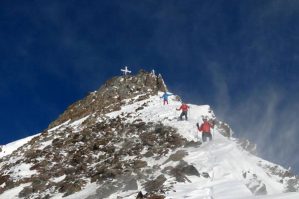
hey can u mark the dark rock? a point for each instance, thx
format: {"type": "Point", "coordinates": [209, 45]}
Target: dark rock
{"type": "Point", "coordinates": [69, 170]}
{"type": "Point", "coordinates": [248, 146]}
{"type": "Point", "coordinates": [262, 190]}
{"type": "Point", "coordinates": [71, 187]}
{"type": "Point", "coordinates": [155, 185]}
{"type": "Point", "coordinates": [39, 166]}
{"type": "Point", "coordinates": [106, 190]}
{"type": "Point", "coordinates": [111, 173]}
{"type": "Point", "coordinates": [292, 185]}
{"type": "Point", "coordinates": [140, 125]}
{"type": "Point", "coordinates": [244, 175]}
{"type": "Point", "coordinates": [140, 195]}
{"type": "Point", "coordinates": [149, 154]}
{"type": "Point", "coordinates": [39, 185]}
{"type": "Point", "coordinates": [108, 98]}
{"type": "Point", "coordinates": [148, 138]}
{"type": "Point", "coordinates": [179, 155]}
{"type": "Point", "coordinates": [139, 108]}
{"type": "Point", "coordinates": [105, 144]}
{"type": "Point", "coordinates": [179, 176]}
{"type": "Point", "coordinates": [224, 128]}
{"type": "Point", "coordinates": [205, 175]}
{"type": "Point", "coordinates": [26, 192]}
{"type": "Point", "coordinates": [190, 170]}
{"type": "Point", "coordinates": [10, 184]}
{"type": "Point", "coordinates": [4, 178]}
{"type": "Point", "coordinates": [130, 184]}
{"type": "Point", "coordinates": [139, 164]}
{"type": "Point", "coordinates": [193, 144]}
{"type": "Point", "coordinates": [287, 174]}
{"type": "Point", "coordinates": [58, 143]}
{"type": "Point", "coordinates": [154, 196]}
{"type": "Point", "coordinates": [77, 159]}
{"type": "Point", "coordinates": [33, 154]}
{"type": "Point", "coordinates": [180, 171]}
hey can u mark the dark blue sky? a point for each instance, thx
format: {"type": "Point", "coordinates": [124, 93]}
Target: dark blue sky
{"type": "Point", "coordinates": [241, 57]}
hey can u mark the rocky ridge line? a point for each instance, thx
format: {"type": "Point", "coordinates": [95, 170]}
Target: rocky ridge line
{"type": "Point", "coordinates": [112, 95]}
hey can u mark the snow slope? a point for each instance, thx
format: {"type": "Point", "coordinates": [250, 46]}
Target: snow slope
{"type": "Point", "coordinates": [222, 159]}
{"type": "Point", "coordinates": [11, 147]}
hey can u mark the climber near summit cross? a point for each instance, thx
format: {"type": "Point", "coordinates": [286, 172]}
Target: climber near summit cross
{"type": "Point", "coordinates": [205, 128]}
{"type": "Point", "coordinates": [165, 97]}
{"type": "Point", "coordinates": [184, 107]}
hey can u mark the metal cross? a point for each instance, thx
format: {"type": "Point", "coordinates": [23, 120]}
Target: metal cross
{"type": "Point", "coordinates": [125, 71]}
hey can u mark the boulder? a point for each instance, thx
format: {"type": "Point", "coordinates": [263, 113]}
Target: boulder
{"type": "Point", "coordinates": [155, 185]}
{"type": "Point", "coordinates": [139, 164]}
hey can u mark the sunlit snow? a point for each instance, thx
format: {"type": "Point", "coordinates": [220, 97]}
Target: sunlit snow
{"type": "Point", "coordinates": [221, 158]}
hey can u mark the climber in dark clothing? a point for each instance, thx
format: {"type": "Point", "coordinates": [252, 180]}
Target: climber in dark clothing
{"type": "Point", "coordinates": [184, 108]}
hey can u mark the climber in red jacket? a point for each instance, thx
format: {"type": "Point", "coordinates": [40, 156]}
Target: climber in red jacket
{"type": "Point", "coordinates": [205, 128]}
{"type": "Point", "coordinates": [184, 108]}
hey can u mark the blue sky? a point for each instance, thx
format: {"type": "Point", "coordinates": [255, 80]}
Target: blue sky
{"type": "Point", "coordinates": [241, 57]}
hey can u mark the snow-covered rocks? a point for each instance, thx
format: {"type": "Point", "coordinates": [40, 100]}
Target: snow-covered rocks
{"type": "Point", "coordinates": [121, 141]}
{"type": "Point", "coordinates": [112, 95]}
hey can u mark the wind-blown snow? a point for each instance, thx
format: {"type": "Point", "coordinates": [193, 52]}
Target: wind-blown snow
{"type": "Point", "coordinates": [222, 159]}
{"type": "Point", "coordinates": [155, 111]}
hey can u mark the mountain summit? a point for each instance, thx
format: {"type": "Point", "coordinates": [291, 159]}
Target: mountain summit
{"type": "Point", "coordinates": [111, 95]}
{"type": "Point", "coordinates": [122, 142]}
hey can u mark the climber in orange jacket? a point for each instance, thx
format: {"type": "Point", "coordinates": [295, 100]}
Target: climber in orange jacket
{"type": "Point", "coordinates": [184, 108]}
{"type": "Point", "coordinates": [205, 128]}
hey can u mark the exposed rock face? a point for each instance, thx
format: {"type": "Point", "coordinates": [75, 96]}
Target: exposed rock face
{"type": "Point", "coordinates": [110, 97]}
{"type": "Point", "coordinates": [97, 153]}
{"type": "Point", "coordinates": [155, 185]}
{"type": "Point", "coordinates": [286, 176]}
{"type": "Point", "coordinates": [181, 171]}
{"type": "Point", "coordinates": [224, 128]}
{"type": "Point", "coordinates": [149, 196]}
{"type": "Point", "coordinates": [179, 155]}
{"type": "Point", "coordinates": [248, 146]}
{"type": "Point", "coordinates": [119, 153]}
{"type": "Point", "coordinates": [292, 184]}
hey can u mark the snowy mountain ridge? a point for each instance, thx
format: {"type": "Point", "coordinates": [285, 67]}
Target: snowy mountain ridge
{"type": "Point", "coordinates": [138, 146]}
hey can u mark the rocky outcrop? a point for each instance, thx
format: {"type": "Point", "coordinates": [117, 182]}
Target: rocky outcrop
{"type": "Point", "coordinates": [155, 185]}
{"type": "Point", "coordinates": [109, 152]}
{"type": "Point", "coordinates": [247, 146]}
{"type": "Point", "coordinates": [118, 152]}
{"type": "Point", "coordinates": [224, 128]}
{"type": "Point", "coordinates": [292, 184]}
{"type": "Point", "coordinates": [112, 95]}
{"type": "Point", "coordinates": [149, 196]}
{"type": "Point", "coordinates": [286, 177]}
{"type": "Point", "coordinates": [181, 171]}
{"type": "Point", "coordinates": [254, 184]}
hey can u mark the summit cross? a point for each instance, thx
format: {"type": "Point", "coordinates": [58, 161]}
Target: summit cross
{"type": "Point", "coordinates": [125, 71]}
